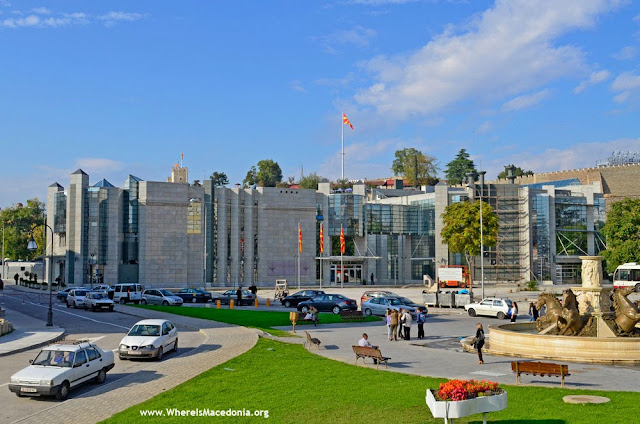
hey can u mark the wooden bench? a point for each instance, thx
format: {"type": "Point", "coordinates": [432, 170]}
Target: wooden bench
{"type": "Point", "coordinates": [311, 341]}
{"type": "Point", "coordinates": [542, 369]}
{"type": "Point", "coordinates": [352, 316]}
{"type": "Point", "coordinates": [370, 352]}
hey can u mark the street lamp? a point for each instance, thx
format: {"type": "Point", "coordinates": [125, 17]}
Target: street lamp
{"type": "Point", "coordinates": [91, 263]}
{"type": "Point", "coordinates": [32, 245]}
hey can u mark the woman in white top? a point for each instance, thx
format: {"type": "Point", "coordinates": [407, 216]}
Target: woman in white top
{"type": "Point", "coordinates": [407, 325]}
{"type": "Point", "coordinates": [514, 312]}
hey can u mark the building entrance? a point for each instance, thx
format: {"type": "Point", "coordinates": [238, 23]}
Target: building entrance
{"type": "Point", "coordinates": [352, 273]}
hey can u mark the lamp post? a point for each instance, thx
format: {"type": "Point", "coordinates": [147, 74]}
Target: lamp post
{"type": "Point", "coordinates": [91, 263]}
{"type": "Point", "coordinates": [481, 234]}
{"type": "Point", "coordinates": [32, 245]}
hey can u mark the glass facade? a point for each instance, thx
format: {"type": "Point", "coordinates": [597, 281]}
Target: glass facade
{"type": "Point", "coordinates": [60, 212]}
{"type": "Point", "coordinates": [541, 252]}
{"type": "Point", "coordinates": [194, 218]}
{"type": "Point", "coordinates": [346, 211]}
{"type": "Point", "coordinates": [599, 219]}
{"type": "Point", "coordinates": [571, 224]}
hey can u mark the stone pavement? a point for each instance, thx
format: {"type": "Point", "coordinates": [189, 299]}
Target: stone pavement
{"type": "Point", "coordinates": [222, 342]}
{"type": "Point", "coordinates": [28, 333]}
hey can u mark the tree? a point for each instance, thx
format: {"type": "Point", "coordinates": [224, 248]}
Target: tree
{"type": "Point", "coordinates": [461, 231]}
{"type": "Point", "coordinates": [310, 181]}
{"type": "Point", "coordinates": [269, 173]}
{"type": "Point", "coordinates": [622, 232]}
{"type": "Point", "coordinates": [19, 220]}
{"type": "Point", "coordinates": [415, 166]}
{"type": "Point", "coordinates": [518, 172]}
{"type": "Point", "coordinates": [219, 179]}
{"type": "Point", "coordinates": [344, 184]}
{"type": "Point", "coordinates": [458, 168]}
{"type": "Point", "coordinates": [251, 178]}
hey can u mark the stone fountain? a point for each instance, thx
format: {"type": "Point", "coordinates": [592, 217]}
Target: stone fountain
{"type": "Point", "coordinates": [590, 306]}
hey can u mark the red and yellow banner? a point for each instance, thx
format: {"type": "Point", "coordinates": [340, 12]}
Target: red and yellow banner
{"type": "Point", "coordinates": [345, 121]}
{"type": "Point", "coordinates": [321, 239]}
{"type": "Point", "coordinates": [342, 243]}
{"type": "Point", "coordinates": [300, 238]}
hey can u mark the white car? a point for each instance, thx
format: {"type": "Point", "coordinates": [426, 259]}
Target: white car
{"type": "Point", "coordinates": [149, 338]}
{"type": "Point", "coordinates": [76, 297]}
{"type": "Point", "coordinates": [59, 367]}
{"type": "Point", "coordinates": [98, 300]}
{"type": "Point", "coordinates": [490, 306]}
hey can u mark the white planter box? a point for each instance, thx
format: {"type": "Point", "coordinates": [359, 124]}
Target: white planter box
{"type": "Point", "coordinates": [463, 408]}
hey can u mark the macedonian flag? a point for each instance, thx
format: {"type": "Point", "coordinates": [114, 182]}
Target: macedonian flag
{"type": "Point", "coordinates": [345, 121]}
{"type": "Point", "coordinates": [300, 238]}
{"type": "Point", "coordinates": [342, 243]}
{"type": "Point", "coordinates": [321, 240]}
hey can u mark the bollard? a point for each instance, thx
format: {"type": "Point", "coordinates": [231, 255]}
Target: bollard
{"type": "Point", "coordinates": [231, 304]}
{"type": "Point", "coordinates": [218, 303]}
{"type": "Point", "coordinates": [268, 302]}
{"type": "Point", "coordinates": [257, 302]}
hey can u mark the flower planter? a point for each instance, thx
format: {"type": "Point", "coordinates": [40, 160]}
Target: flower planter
{"type": "Point", "coordinates": [463, 408]}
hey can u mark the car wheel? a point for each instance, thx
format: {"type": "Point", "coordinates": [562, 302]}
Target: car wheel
{"type": "Point", "coordinates": [501, 315]}
{"type": "Point", "coordinates": [93, 308]}
{"type": "Point", "coordinates": [638, 288]}
{"type": "Point", "coordinates": [160, 355]}
{"type": "Point", "coordinates": [165, 303]}
{"type": "Point", "coordinates": [443, 285]}
{"type": "Point", "coordinates": [68, 306]}
{"type": "Point", "coordinates": [101, 377]}
{"type": "Point", "coordinates": [18, 394]}
{"type": "Point", "coordinates": [175, 346]}
{"type": "Point", "coordinates": [304, 309]}
{"type": "Point", "coordinates": [194, 300]}
{"type": "Point", "coordinates": [63, 391]}
{"type": "Point", "coordinates": [367, 312]}
{"type": "Point", "coordinates": [336, 310]}
{"type": "Point", "coordinates": [143, 301]}
{"type": "Point", "coordinates": [287, 304]}
{"type": "Point", "coordinates": [472, 312]}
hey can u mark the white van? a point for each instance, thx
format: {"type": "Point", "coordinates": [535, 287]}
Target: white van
{"type": "Point", "coordinates": [627, 275]}
{"type": "Point", "coordinates": [128, 292]}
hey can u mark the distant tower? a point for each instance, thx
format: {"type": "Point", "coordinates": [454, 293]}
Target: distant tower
{"type": "Point", "coordinates": [179, 174]}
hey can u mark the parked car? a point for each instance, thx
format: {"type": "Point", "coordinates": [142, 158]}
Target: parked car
{"type": "Point", "coordinates": [329, 303]}
{"type": "Point", "coordinates": [248, 298]}
{"type": "Point", "coordinates": [62, 294]}
{"type": "Point", "coordinates": [490, 306]}
{"type": "Point", "coordinates": [76, 297]}
{"type": "Point", "coordinates": [379, 305]}
{"type": "Point", "coordinates": [109, 290]}
{"type": "Point", "coordinates": [194, 295]}
{"type": "Point", "coordinates": [59, 367]}
{"type": "Point", "coordinates": [301, 296]}
{"type": "Point", "coordinates": [160, 297]}
{"type": "Point", "coordinates": [410, 303]}
{"type": "Point", "coordinates": [127, 292]}
{"type": "Point", "coordinates": [98, 300]}
{"type": "Point", "coordinates": [149, 338]}
{"type": "Point", "coordinates": [376, 293]}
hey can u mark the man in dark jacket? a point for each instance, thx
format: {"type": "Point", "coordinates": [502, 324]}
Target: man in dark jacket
{"type": "Point", "coordinates": [239, 295]}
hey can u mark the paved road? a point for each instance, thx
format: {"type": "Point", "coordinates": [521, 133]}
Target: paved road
{"type": "Point", "coordinates": [105, 328]}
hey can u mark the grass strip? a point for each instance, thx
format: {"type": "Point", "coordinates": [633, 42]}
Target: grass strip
{"type": "Point", "coordinates": [296, 386]}
{"type": "Point", "coordinates": [263, 320]}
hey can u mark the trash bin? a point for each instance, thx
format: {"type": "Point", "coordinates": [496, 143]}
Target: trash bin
{"type": "Point", "coordinates": [462, 299]}
{"type": "Point", "coordinates": [430, 299]}
{"type": "Point", "coordinates": [447, 299]}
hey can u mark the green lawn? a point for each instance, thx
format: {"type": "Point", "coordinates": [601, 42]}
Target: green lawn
{"type": "Point", "coordinates": [245, 316]}
{"type": "Point", "coordinates": [297, 386]}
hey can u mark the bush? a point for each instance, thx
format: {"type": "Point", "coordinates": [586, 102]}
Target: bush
{"type": "Point", "coordinates": [532, 285]}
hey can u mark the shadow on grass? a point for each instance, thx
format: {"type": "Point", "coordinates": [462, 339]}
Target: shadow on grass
{"type": "Point", "coordinates": [551, 421]}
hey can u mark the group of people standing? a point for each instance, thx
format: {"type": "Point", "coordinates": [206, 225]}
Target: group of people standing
{"type": "Point", "coordinates": [399, 324]}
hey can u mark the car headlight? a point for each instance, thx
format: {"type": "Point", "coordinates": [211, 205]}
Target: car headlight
{"type": "Point", "coordinates": [46, 382]}
{"type": "Point", "coordinates": [15, 380]}
{"type": "Point", "coordinates": [124, 347]}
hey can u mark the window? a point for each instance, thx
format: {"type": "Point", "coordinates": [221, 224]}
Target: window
{"type": "Point", "coordinates": [486, 302]}
{"type": "Point", "coordinates": [497, 303]}
{"type": "Point", "coordinates": [81, 358]}
{"type": "Point", "coordinates": [194, 218]}
{"type": "Point", "coordinates": [93, 354]}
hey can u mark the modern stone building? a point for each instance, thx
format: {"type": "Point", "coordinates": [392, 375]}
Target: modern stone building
{"type": "Point", "coordinates": [176, 234]}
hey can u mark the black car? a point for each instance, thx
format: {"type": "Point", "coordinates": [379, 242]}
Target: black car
{"type": "Point", "coordinates": [301, 296]}
{"type": "Point", "coordinates": [329, 303]}
{"type": "Point", "coordinates": [194, 295]}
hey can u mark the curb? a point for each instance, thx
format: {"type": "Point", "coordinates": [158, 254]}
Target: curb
{"type": "Point", "coordinates": [37, 345]}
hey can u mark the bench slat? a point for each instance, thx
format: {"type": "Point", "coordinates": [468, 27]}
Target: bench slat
{"type": "Point", "coordinates": [543, 369]}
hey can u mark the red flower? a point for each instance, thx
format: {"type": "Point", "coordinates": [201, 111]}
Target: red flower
{"type": "Point", "coordinates": [464, 389]}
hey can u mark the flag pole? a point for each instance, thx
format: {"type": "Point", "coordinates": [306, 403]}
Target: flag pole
{"type": "Point", "coordinates": [299, 251]}
{"type": "Point", "coordinates": [342, 152]}
{"type": "Point", "coordinates": [341, 260]}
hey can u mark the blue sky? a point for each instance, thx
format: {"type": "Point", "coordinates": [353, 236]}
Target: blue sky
{"type": "Point", "coordinates": [119, 87]}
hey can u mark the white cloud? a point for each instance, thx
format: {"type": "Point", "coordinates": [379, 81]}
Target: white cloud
{"type": "Point", "coordinates": [484, 128]}
{"type": "Point", "coordinates": [627, 84]}
{"type": "Point", "coordinates": [507, 50]}
{"type": "Point", "coordinates": [594, 78]}
{"type": "Point", "coordinates": [98, 165]}
{"type": "Point", "coordinates": [357, 36]}
{"type": "Point", "coordinates": [626, 53]}
{"type": "Point", "coordinates": [41, 11]}
{"type": "Point", "coordinates": [296, 85]}
{"type": "Point", "coordinates": [381, 2]}
{"type": "Point", "coordinates": [112, 18]}
{"type": "Point", "coordinates": [43, 17]}
{"type": "Point", "coordinates": [525, 101]}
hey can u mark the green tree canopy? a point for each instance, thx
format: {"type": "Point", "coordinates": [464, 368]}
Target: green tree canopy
{"type": "Point", "coordinates": [344, 184]}
{"type": "Point", "coordinates": [622, 232]}
{"type": "Point", "coordinates": [461, 231]}
{"type": "Point", "coordinates": [267, 174]}
{"type": "Point", "coordinates": [18, 221]}
{"type": "Point", "coordinates": [518, 172]}
{"type": "Point", "coordinates": [418, 168]}
{"type": "Point", "coordinates": [251, 178]}
{"type": "Point", "coordinates": [219, 179]}
{"type": "Point", "coordinates": [458, 168]}
{"type": "Point", "coordinates": [310, 181]}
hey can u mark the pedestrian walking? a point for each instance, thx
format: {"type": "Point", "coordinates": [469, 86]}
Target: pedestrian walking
{"type": "Point", "coordinates": [314, 315]}
{"type": "Point", "coordinates": [533, 312]}
{"type": "Point", "coordinates": [16, 277]}
{"type": "Point", "coordinates": [421, 319]}
{"type": "Point", "coordinates": [388, 318]}
{"type": "Point", "coordinates": [393, 325]}
{"type": "Point", "coordinates": [479, 342]}
{"type": "Point", "coordinates": [400, 323]}
{"type": "Point", "coordinates": [372, 278]}
{"type": "Point", "coordinates": [407, 324]}
{"type": "Point", "coordinates": [253, 289]}
{"type": "Point", "coordinates": [514, 312]}
{"type": "Point", "coordinates": [239, 295]}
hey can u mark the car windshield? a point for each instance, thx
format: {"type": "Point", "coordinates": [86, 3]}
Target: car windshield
{"type": "Point", "coordinates": [54, 358]}
{"type": "Point", "coordinates": [98, 296]}
{"type": "Point", "coordinates": [395, 302]}
{"type": "Point", "coordinates": [145, 330]}
{"type": "Point", "coordinates": [406, 301]}
{"type": "Point", "coordinates": [166, 292]}
{"type": "Point", "coordinates": [80, 293]}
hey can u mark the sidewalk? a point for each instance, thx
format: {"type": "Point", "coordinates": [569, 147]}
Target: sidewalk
{"type": "Point", "coordinates": [28, 333]}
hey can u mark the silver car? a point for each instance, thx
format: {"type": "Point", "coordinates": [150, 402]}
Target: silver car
{"type": "Point", "coordinates": [160, 297]}
{"type": "Point", "coordinates": [379, 305]}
